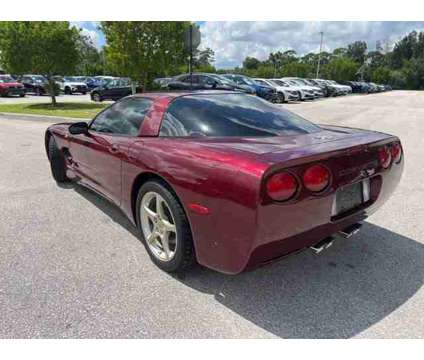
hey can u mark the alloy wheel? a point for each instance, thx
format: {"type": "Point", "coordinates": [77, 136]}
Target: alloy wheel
{"type": "Point", "coordinates": [158, 226]}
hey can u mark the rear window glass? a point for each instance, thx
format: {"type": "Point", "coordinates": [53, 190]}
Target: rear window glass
{"type": "Point", "coordinates": [230, 115]}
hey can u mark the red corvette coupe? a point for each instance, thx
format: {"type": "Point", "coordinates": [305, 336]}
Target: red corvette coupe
{"type": "Point", "coordinates": [226, 178]}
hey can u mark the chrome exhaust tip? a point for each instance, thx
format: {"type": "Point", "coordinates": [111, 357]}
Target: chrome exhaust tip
{"type": "Point", "coordinates": [322, 245]}
{"type": "Point", "coordinates": [350, 230]}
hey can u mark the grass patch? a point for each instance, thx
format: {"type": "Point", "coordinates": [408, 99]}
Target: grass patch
{"type": "Point", "coordinates": [75, 110]}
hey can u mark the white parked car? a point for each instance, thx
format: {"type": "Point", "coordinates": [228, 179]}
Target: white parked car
{"type": "Point", "coordinates": [301, 82]}
{"type": "Point", "coordinates": [304, 93]}
{"type": "Point", "coordinates": [285, 93]}
{"type": "Point", "coordinates": [344, 89]}
{"type": "Point", "coordinates": [70, 85]}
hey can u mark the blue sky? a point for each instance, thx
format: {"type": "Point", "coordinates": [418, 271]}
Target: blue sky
{"type": "Point", "coordinates": [233, 41]}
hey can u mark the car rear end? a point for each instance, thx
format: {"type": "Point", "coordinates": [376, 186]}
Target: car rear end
{"type": "Point", "coordinates": [308, 196]}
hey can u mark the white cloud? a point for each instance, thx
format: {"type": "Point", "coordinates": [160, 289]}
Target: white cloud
{"type": "Point", "coordinates": [233, 41]}
{"type": "Point", "coordinates": [92, 35]}
{"type": "Point", "coordinates": [90, 29]}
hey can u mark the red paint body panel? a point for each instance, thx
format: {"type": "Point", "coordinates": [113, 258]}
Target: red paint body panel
{"type": "Point", "coordinates": [243, 227]}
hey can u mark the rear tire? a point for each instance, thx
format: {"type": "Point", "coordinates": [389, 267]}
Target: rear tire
{"type": "Point", "coordinates": [182, 248]}
{"type": "Point", "coordinates": [57, 162]}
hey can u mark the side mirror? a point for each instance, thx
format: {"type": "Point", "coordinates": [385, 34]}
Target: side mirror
{"type": "Point", "coordinates": [79, 128]}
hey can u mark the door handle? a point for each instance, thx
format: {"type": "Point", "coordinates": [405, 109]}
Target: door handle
{"type": "Point", "coordinates": [114, 149]}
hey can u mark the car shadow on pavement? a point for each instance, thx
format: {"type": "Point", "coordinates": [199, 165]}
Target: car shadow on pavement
{"type": "Point", "coordinates": [337, 294]}
{"type": "Point", "coordinates": [108, 208]}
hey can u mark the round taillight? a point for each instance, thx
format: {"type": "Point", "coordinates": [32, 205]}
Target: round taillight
{"type": "Point", "coordinates": [316, 178]}
{"type": "Point", "coordinates": [281, 186]}
{"type": "Point", "coordinates": [396, 150]}
{"type": "Point", "coordinates": [385, 157]}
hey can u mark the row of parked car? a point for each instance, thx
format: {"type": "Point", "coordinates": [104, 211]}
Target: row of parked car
{"type": "Point", "coordinates": [113, 88]}
{"type": "Point", "coordinates": [100, 87]}
{"type": "Point", "coordinates": [275, 90]}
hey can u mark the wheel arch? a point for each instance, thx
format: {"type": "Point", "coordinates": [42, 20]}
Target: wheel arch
{"type": "Point", "coordinates": [144, 177]}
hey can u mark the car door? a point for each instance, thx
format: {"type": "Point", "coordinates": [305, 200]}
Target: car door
{"type": "Point", "coordinates": [111, 89]}
{"type": "Point", "coordinates": [124, 87]}
{"type": "Point", "coordinates": [207, 82]}
{"type": "Point", "coordinates": [98, 156]}
{"type": "Point", "coordinates": [27, 82]}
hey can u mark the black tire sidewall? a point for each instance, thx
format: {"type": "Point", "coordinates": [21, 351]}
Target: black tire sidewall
{"type": "Point", "coordinates": [57, 162]}
{"type": "Point", "coordinates": [178, 262]}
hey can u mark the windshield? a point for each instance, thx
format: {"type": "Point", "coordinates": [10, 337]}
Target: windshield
{"type": "Point", "coordinates": [223, 79]}
{"type": "Point", "coordinates": [292, 82]}
{"type": "Point", "coordinates": [301, 81]}
{"type": "Point", "coordinates": [279, 83]}
{"type": "Point", "coordinates": [246, 80]}
{"type": "Point", "coordinates": [38, 78]}
{"type": "Point", "coordinates": [7, 79]}
{"type": "Point", "coordinates": [230, 114]}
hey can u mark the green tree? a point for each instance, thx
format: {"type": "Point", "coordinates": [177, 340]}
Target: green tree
{"type": "Point", "coordinates": [91, 59]}
{"type": "Point", "coordinates": [340, 69]}
{"type": "Point", "coordinates": [143, 50]}
{"type": "Point", "coordinates": [413, 72]}
{"type": "Point", "coordinates": [340, 52]}
{"type": "Point", "coordinates": [381, 75]}
{"type": "Point", "coordinates": [45, 47]}
{"type": "Point", "coordinates": [203, 58]}
{"type": "Point", "coordinates": [251, 63]}
{"type": "Point", "coordinates": [298, 70]}
{"type": "Point", "coordinates": [405, 49]}
{"type": "Point", "coordinates": [357, 51]}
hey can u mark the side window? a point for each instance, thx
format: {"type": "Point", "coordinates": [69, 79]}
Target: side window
{"type": "Point", "coordinates": [207, 80]}
{"type": "Point", "coordinates": [124, 117]}
{"type": "Point", "coordinates": [184, 79]}
{"type": "Point", "coordinates": [124, 82]}
{"type": "Point", "coordinates": [112, 83]}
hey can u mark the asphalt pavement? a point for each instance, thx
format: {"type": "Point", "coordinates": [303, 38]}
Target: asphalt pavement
{"type": "Point", "coordinates": [71, 264]}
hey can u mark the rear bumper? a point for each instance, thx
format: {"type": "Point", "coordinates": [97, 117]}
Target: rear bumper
{"type": "Point", "coordinates": [276, 230]}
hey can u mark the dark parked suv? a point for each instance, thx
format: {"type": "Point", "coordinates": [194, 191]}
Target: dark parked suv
{"type": "Point", "coordinates": [113, 89]}
{"type": "Point", "coordinates": [36, 84]}
{"type": "Point", "coordinates": [204, 81]}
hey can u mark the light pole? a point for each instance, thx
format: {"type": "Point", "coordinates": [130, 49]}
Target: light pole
{"type": "Point", "coordinates": [319, 54]}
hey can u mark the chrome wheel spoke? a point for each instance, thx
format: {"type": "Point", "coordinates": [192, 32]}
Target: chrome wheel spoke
{"type": "Point", "coordinates": [150, 213]}
{"type": "Point", "coordinates": [168, 226]}
{"type": "Point", "coordinates": [165, 246]}
{"type": "Point", "coordinates": [151, 238]}
{"type": "Point", "coordinates": [160, 203]}
{"type": "Point", "coordinates": [158, 226]}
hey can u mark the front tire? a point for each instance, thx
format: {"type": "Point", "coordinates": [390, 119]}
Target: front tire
{"type": "Point", "coordinates": [57, 162]}
{"type": "Point", "coordinates": [164, 227]}
{"type": "Point", "coordinates": [96, 97]}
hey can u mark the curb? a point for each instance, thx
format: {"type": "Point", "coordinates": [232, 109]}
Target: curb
{"type": "Point", "coordinates": [47, 118]}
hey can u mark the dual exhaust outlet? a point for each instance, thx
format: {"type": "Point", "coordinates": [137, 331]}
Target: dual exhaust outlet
{"type": "Point", "coordinates": [327, 242]}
